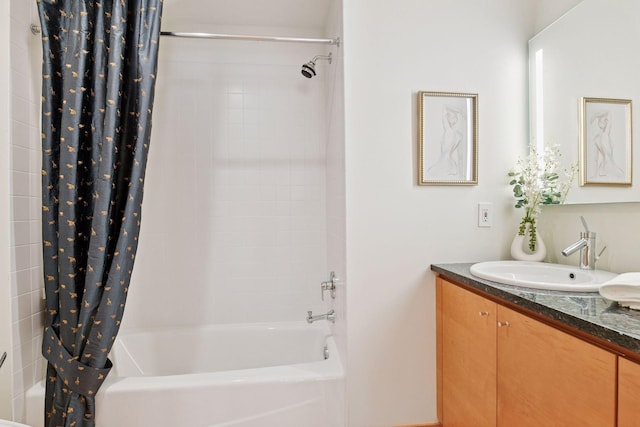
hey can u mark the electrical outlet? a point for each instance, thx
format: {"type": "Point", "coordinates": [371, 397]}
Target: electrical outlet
{"type": "Point", "coordinates": [485, 215]}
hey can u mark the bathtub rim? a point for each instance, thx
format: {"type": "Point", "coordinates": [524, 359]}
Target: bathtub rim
{"type": "Point", "coordinates": [322, 370]}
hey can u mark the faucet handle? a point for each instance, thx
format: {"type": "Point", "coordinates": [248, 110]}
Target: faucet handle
{"type": "Point", "coordinates": [584, 223]}
{"type": "Point", "coordinates": [329, 285]}
{"type": "Point", "coordinates": [601, 252]}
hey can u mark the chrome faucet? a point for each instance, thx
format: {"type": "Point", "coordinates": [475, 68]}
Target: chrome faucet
{"type": "Point", "coordinates": [587, 247]}
{"type": "Point", "coordinates": [330, 316]}
{"type": "Point", "coordinates": [329, 285]}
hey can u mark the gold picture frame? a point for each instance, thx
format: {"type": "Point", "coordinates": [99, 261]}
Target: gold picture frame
{"type": "Point", "coordinates": [605, 142]}
{"type": "Point", "coordinates": [447, 138]}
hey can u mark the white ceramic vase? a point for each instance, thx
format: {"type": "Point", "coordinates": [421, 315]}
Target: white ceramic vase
{"type": "Point", "coordinates": [520, 247]}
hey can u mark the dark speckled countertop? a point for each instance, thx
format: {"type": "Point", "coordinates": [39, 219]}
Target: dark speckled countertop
{"type": "Point", "coordinates": [586, 312]}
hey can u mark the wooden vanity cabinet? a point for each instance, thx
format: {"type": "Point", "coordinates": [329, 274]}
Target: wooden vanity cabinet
{"type": "Point", "coordinates": [499, 367]}
{"type": "Point", "coordinates": [628, 393]}
{"type": "Point", "coordinates": [547, 377]}
{"type": "Point", "coordinates": [469, 359]}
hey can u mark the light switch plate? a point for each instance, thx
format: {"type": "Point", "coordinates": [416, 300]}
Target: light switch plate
{"type": "Point", "coordinates": [485, 214]}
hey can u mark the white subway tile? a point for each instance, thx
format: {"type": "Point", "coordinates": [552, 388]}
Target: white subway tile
{"type": "Point", "coordinates": [18, 382]}
{"type": "Point", "coordinates": [37, 278]}
{"type": "Point", "coordinates": [20, 208]}
{"type": "Point", "coordinates": [20, 134]}
{"type": "Point", "coordinates": [35, 254]}
{"type": "Point", "coordinates": [24, 314]}
{"type": "Point", "coordinates": [37, 305]}
{"type": "Point", "coordinates": [35, 208]}
{"type": "Point", "coordinates": [20, 232]}
{"type": "Point", "coordinates": [22, 282]}
{"type": "Point", "coordinates": [20, 258]}
{"type": "Point", "coordinates": [20, 109]}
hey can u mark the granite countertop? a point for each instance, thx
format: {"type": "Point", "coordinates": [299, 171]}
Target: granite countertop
{"type": "Point", "coordinates": [586, 312]}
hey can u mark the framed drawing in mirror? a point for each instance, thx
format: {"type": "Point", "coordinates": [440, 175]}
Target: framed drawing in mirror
{"type": "Point", "coordinates": [605, 142]}
{"type": "Point", "coordinates": [447, 138]}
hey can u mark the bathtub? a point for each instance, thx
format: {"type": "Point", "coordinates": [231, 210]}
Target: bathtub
{"type": "Point", "coordinates": [242, 375]}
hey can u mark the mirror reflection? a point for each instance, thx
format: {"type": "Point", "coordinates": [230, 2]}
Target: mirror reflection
{"type": "Point", "coordinates": [590, 52]}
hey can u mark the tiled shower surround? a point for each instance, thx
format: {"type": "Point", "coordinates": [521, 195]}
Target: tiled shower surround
{"type": "Point", "coordinates": [234, 220]}
{"type": "Point", "coordinates": [25, 225]}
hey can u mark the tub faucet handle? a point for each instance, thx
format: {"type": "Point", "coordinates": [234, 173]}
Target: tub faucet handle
{"type": "Point", "coordinates": [329, 285]}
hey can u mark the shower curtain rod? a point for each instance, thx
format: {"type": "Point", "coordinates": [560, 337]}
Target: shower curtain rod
{"type": "Point", "coordinates": [35, 29]}
{"type": "Point", "coordinates": [335, 41]}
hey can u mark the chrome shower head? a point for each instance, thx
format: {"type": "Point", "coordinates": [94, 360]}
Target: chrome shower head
{"type": "Point", "coordinates": [309, 69]}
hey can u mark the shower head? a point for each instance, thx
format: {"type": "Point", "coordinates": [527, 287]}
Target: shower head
{"type": "Point", "coordinates": [309, 69]}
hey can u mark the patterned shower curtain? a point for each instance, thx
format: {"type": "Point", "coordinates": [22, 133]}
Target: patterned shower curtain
{"type": "Point", "coordinates": [99, 69]}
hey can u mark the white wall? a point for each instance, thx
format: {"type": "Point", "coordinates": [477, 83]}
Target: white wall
{"type": "Point", "coordinates": [25, 202]}
{"type": "Point", "coordinates": [5, 288]}
{"type": "Point", "coordinates": [396, 229]}
{"type": "Point", "coordinates": [547, 11]}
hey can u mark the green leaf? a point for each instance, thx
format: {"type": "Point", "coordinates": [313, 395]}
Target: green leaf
{"type": "Point", "coordinates": [517, 191]}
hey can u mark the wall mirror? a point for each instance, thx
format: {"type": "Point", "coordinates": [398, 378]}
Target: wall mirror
{"type": "Point", "coordinates": [590, 52]}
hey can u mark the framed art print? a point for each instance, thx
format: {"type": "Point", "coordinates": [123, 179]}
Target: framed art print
{"type": "Point", "coordinates": [448, 138]}
{"type": "Point", "coordinates": [605, 142]}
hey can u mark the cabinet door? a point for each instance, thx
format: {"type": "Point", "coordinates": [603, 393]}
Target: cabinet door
{"type": "Point", "coordinates": [549, 378]}
{"type": "Point", "coordinates": [468, 358]}
{"type": "Point", "coordinates": [628, 393]}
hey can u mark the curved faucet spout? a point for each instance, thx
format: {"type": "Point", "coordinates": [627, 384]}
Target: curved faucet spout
{"type": "Point", "coordinates": [575, 247]}
{"type": "Point", "coordinates": [587, 247]}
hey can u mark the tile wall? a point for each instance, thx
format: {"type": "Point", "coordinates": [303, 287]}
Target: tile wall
{"type": "Point", "coordinates": [25, 239]}
{"type": "Point", "coordinates": [234, 217]}
{"type": "Point", "coordinates": [6, 372]}
{"type": "Point", "coordinates": [335, 177]}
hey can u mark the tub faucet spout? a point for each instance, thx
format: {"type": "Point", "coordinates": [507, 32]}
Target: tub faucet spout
{"type": "Point", "coordinates": [330, 316]}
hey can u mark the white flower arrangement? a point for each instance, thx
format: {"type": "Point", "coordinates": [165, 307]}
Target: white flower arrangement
{"type": "Point", "coordinates": [537, 181]}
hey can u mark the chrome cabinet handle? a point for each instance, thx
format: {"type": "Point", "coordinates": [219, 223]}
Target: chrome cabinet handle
{"type": "Point", "coordinates": [506, 324]}
{"type": "Point", "coordinates": [484, 313]}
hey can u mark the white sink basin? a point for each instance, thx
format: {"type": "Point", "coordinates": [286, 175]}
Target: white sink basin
{"type": "Point", "coordinates": [541, 275]}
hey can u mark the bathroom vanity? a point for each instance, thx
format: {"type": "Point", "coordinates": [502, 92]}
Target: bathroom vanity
{"type": "Point", "coordinates": [510, 356]}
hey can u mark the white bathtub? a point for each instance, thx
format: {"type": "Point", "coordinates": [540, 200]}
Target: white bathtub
{"type": "Point", "coordinates": [244, 375]}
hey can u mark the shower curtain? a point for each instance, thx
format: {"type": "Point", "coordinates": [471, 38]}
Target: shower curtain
{"type": "Point", "coordinates": [99, 68]}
